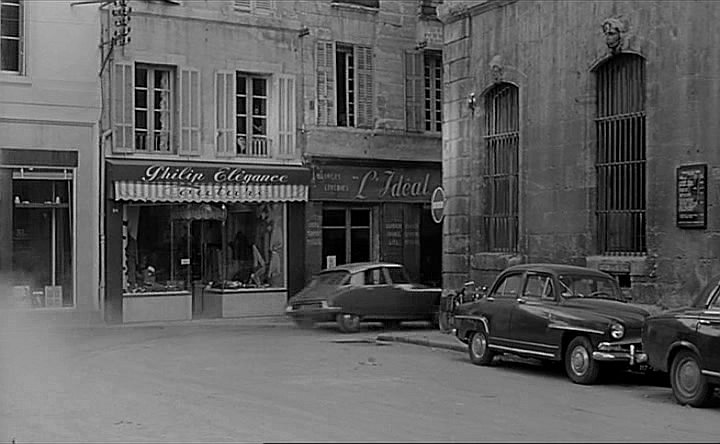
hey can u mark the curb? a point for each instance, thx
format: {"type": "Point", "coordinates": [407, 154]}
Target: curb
{"type": "Point", "coordinates": [422, 341]}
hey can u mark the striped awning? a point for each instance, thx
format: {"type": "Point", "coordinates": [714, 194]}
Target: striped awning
{"type": "Point", "coordinates": [174, 192]}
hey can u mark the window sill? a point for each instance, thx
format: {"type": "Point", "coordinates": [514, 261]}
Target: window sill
{"type": "Point", "coordinates": [356, 8]}
{"type": "Point", "coordinates": [19, 79]}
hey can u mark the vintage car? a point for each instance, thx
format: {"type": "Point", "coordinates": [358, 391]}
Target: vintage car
{"type": "Point", "coordinates": [364, 291]}
{"type": "Point", "coordinates": [569, 314]}
{"type": "Point", "coordinates": [685, 342]}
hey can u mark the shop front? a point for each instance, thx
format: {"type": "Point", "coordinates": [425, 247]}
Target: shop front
{"type": "Point", "coordinates": [202, 240]}
{"type": "Point", "coordinates": [365, 210]}
{"type": "Point", "coordinates": [37, 229]}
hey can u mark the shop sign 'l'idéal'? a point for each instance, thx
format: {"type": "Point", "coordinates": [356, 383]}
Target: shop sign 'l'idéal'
{"type": "Point", "coordinates": [335, 182]}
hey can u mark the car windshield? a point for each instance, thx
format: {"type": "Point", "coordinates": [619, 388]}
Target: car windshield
{"type": "Point", "coordinates": [329, 278]}
{"type": "Point", "coordinates": [587, 286]}
{"type": "Point", "coordinates": [398, 275]}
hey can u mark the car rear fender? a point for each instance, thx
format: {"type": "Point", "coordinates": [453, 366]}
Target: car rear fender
{"type": "Point", "coordinates": [674, 349]}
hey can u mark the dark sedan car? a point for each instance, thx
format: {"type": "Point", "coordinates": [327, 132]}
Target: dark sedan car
{"type": "Point", "coordinates": [364, 291]}
{"type": "Point", "coordinates": [564, 313]}
{"type": "Point", "coordinates": [686, 343]}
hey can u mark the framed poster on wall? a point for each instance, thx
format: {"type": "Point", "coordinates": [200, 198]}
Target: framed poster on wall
{"type": "Point", "coordinates": [691, 195]}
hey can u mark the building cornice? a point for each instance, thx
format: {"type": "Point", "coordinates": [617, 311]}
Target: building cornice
{"type": "Point", "coordinates": [451, 12]}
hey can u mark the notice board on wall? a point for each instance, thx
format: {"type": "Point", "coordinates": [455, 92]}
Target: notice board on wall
{"type": "Point", "coordinates": [691, 196]}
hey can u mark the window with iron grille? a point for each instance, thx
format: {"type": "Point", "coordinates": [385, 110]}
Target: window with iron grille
{"type": "Point", "coordinates": [153, 108]}
{"type": "Point", "coordinates": [433, 91]}
{"type": "Point", "coordinates": [251, 115]}
{"type": "Point", "coordinates": [11, 36]}
{"type": "Point", "coordinates": [502, 130]}
{"type": "Point", "coordinates": [620, 163]}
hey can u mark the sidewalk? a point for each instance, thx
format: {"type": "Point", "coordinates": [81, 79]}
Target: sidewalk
{"type": "Point", "coordinates": [428, 338]}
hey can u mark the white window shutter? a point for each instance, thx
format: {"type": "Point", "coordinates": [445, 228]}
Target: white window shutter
{"type": "Point", "coordinates": [286, 116]}
{"type": "Point", "coordinates": [190, 107]}
{"type": "Point", "coordinates": [364, 69]}
{"type": "Point", "coordinates": [265, 6]}
{"type": "Point", "coordinates": [325, 63]}
{"type": "Point", "coordinates": [414, 91]}
{"type": "Point", "coordinates": [123, 110]}
{"type": "Point", "coordinates": [225, 113]}
{"type": "Point", "coordinates": [242, 5]}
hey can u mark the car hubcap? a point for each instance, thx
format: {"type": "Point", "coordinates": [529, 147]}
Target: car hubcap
{"type": "Point", "coordinates": [688, 376]}
{"type": "Point", "coordinates": [479, 344]}
{"type": "Point", "coordinates": [579, 360]}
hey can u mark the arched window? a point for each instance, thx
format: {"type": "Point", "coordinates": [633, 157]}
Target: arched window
{"type": "Point", "coordinates": [620, 162]}
{"type": "Point", "coordinates": [11, 36]}
{"type": "Point", "coordinates": [502, 130]}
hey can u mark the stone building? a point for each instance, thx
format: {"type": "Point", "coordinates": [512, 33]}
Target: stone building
{"type": "Point", "coordinates": [583, 133]}
{"type": "Point", "coordinates": [49, 111]}
{"type": "Point", "coordinates": [248, 143]}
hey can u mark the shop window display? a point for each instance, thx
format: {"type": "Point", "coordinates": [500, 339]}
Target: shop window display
{"type": "Point", "coordinates": [173, 247]}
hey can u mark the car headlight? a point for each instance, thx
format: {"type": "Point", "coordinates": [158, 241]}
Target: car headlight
{"type": "Point", "coordinates": [617, 331]}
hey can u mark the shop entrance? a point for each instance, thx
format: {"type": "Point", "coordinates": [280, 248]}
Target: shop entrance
{"type": "Point", "coordinates": [198, 252]}
{"type": "Point", "coordinates": [430, 249]}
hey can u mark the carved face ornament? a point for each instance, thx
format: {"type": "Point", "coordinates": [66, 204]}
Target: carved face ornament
{"type": "Point", "coordinates": [612, 28]}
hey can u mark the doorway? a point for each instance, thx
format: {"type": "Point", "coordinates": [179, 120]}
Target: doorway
{"type": "Point", "coordinates": [430, 249]}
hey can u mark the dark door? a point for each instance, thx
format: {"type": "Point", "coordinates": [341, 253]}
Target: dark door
{"type": "Point", "coordinates": [531, 317]}
{"type": "Point", "coordinates": [205, 253]}
{"type": "Point", "coordinates": [499, 306]}
{"type": "Point", "coordinates": [430, 250]}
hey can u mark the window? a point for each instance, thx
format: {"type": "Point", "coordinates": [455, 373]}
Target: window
{"type": "Point", "coordinates": [251, 116]}
{"type": "Point", "coordinates": [398, 275]}
{"type": "Point", "coordinates": [11, 36]}
{"type": "Point", "coordinates": [346, 235]}
{"type": "Point", "coordinates": [620, 163]}
{"type": "Point", "coordinates": [153, 108]}
{"type": "Point", "coordinates": [375, 276]}
{"type": "Point", "coordinates": [344, 85]}
{"type": "Point", "coordinates": [428, 8]}
{"type": "Point", "coordinates": [509, 287]}
{"type": "Point", "coordinates": [246, 122]}
{"type": "Point", "coordinates": [253, 6]}
{"type": "Point", "coordinates": [502, 129]}
{"type": "Point", "coordinates": [170, 247]}
{"type": "Point", "coordinates": [144, 103]}
{"type": "Point", "coordinates": [423, 90]}
{"type": "Point", "coordinates": [42, 237]}
{"type": "Point", "coordinates": [538, 287]}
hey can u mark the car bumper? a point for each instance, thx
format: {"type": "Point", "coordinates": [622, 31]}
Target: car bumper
{"type": "Point", "coordinates": [316, 314]}
{"type": "Point", "coordinates": [620, 352]}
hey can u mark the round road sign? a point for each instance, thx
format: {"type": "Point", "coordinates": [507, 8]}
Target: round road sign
{"type": "Point", "coordinates": [437, 204]}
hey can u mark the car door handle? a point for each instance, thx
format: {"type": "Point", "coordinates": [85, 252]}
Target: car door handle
{"type": "Point", "coordinates": [705, 322]}
{"type": "Point", "coordinates": [490, 299]}
{"type": "Point", "coordinates": [521, 301]}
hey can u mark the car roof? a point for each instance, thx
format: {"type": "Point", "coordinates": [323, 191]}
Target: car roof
{"type": "Point", "coordinates": [355, 267]}
{"type": "Point", "coordinates": [557, 269]}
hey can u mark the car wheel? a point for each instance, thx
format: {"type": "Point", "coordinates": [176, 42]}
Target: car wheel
{"type": "Point", "coordinates": [580, 367]}
{"type": "Point", "coordinates": [689, 386]}
{"type": "Point", "coordinates": [304, 323]}
{"type": "Point", "coordinates": [348, 323]}
{"type": "Point", "coordinates": [479, 350]}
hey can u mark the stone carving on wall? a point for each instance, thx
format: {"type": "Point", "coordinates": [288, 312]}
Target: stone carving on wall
{"type": "Point", "coordinates": [497, 69]}
{"type": "Point", "coordinates": [614, 30]}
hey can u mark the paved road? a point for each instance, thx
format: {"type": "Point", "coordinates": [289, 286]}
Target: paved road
{"type": "Point", "coordinates": [225, 382]}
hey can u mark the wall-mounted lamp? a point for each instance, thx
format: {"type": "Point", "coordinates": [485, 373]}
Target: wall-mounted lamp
{"type": "Point", "coordinates": [472, 101]}
{"type": "Point", "coordinates": [304, 31]}
{"type": "Point", "coordinates": [421, 45]}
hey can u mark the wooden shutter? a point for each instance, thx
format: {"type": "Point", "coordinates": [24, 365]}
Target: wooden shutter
{"type": "Point", "coordinates": [242, 5]}
{"type": "Point", "coordinates": [225, 113]}
{"type": "Point", "coordinates": [286, 116]}
{"type": "Point", "coordinates": [365, 96]}
{"type": "Point", "coordinates": [325, 61]}
{"type": "Point", "coordinates": [414, 91]}
{"type": "Point", "coordinates": [123, 110]}
{"type": "Point", "coordinates": [190, 111]}
{"type": "Point", "coordinates": [265, 6]}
